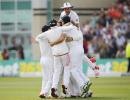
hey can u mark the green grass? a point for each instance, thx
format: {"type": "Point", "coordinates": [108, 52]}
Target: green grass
{"type": "Point", "coordinates": [28, 88]}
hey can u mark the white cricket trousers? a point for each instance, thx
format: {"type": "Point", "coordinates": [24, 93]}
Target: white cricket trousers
{"type": "Point", "coordinates": [47, 74]}
{"type": "Point", "coordinates": [76, 56]}
{"type": "Point", "coordinates": [60, 62]}
{"type": "Point", "coordinates": [78, 60]}
{"type": "Point", "coordinates": [74, 88]}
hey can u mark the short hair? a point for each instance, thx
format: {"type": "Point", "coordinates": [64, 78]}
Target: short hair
{"type": "Point", "coordinates": [53, 23]}
{"type": "Point", "coordinates": [45, 28]}
{"type": "Point", "coordinates": [65, 19]}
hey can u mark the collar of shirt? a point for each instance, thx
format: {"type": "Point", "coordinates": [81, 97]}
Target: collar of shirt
{"type": "Point", "coordinates": [54, 27]}
{"type": "Point", "coordinates": [67, 24]}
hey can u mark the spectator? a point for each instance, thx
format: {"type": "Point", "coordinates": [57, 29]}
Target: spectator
{"type": "Point", "coordinates": [1, 57]}
{"type": "Point", "coordinates": [124, 26]}
{"type": "Point", "coordinates": [5, 54]}
{"type": "Point", "coordinates": [19, 49]}
{"type": "Point", "coordinates": [93, 20]}
{"type": "Point", "coordinates": [115, 12]}
{"type": "Point", "coordinates": [120, 41]}
{"type": "Point", "coordinates": [128, 54]}
{"type": "Point", "coordinates": [87, 32]}
{"type": "Point", "coordinates": [120, 53]}
{"type": "Point", "coordinates": [128, 33]}
{"type": "Point", "coordinates": [85, 46]}
{"type": "Point", "coordinates": [102, 17]}
{"type": "Point", "coordinates": [108, 37]}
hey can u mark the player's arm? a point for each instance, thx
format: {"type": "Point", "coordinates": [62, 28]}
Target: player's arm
{"type": "Point", "coordinates": [87, 60]}
{"type": "Point", "coordinates": [75, 24]}
{"type": "Point", "coordinates": [33, 39]}
{"type": "Point", "coordinates": [66, 28]}
{"type": "Point", "coordinates": [73, 38]}
{"type": "Point", "coordinates": [41, 36]}
{"type": "Point", "coordinates": [75, 20]}
{"type": "Point", "coordinates": [60, 17]}
{"type": "Point", "coordinates": [77, 37]}
{"type": "Point", "coordinates": [60, 40]}
{"type": "Point", "coordinates": [91, 62]}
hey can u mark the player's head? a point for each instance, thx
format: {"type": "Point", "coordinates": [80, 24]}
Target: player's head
{"type": "Point", "coordinates": [67, 7]}
{"type": "Point", "coordinates": [53, 23]}
{"type": "Point", "coordinates": [65, 19]}
{"type": "Point", "coordinates": [45, 28]}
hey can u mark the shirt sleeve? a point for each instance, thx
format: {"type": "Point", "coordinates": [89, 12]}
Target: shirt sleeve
{"type": "Point", "coordinates": [41, 36]}
{"type": "Point", "coordinates": [67, 28]}
{"type": "Point", "coordinates": [77, 37]}
{"type": "Point", "coordinates": [61, 15]}
{"type": "Point", "coordinates": [75, 18]}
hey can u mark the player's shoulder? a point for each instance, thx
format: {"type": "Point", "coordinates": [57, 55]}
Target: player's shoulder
{"type": "Point", "coordinates": [62, 13]}
{"type": "Point", "coordinates": [47, 32]}
{"type": "Point", "coordinates": [74, 13]}
{"type": "Point", "coordinates": [56, 28]}
{"type": "Point", "coordinates": [60, 28]}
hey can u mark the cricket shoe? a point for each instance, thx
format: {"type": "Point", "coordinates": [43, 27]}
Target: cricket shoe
{"type": "Point", "coordinates": [53, 93]}
{"type": "Point", "coordinates": [75, 96]}
{"type": "Point", "coordinates": [85, 88]}
{"type": "Point", "coordinates": [89, 94]}
{"type": "Point", "coordinates": [42, 96]}
{"type": "Point", "coordinates": [64, 89]}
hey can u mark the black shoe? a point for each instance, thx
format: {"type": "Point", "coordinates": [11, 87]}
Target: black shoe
{"type": "Point", "coordinates": [73, 96]}
{"type": "Point", "coordinates": [42, 96]}
{"type": "Point", "coordinates": [64, 89]}
{"type": "Point", "coordinates": [89, 94]}
{"type": "Point", "coordinates": [53, 94]}
{"type": "Point", "coordinates": [85, 89]}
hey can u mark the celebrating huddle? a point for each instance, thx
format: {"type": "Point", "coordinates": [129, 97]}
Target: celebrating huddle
{"type": "Point", "coordinates": [62, 55]}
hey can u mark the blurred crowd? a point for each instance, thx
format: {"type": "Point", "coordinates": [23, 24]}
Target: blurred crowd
{"type": "Point", "coordinates": [106, 34]}
{"type": "Point", "coordinates": [14, 52]}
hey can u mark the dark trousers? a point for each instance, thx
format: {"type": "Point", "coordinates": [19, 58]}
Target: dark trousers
{"type": "Point", "coordinates": [128, 65]}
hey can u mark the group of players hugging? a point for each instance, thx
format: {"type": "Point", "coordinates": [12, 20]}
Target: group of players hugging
{"type": "Point", "coordinates": [62, 57]}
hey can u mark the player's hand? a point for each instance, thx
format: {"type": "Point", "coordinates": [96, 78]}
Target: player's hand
{"type": "Point", "coordinates": [97, 68]}
{"type": "Point", "coordinates": [33, 39]}
{"type": "Point", "coordinates": [93, 59]}
{"type": "Point", "coordinates": [69, 39]}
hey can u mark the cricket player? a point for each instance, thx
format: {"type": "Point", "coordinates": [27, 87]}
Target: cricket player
{"type": "Point", "coordinates": [59, 51]}
{"type": "Point", "coordinates": [67, 10]}
{"type": "Point", "coordinates": [74, 19]}
{"type": "Point", "coordinates": [76, 55]}
{"type": "Point", "coordinates": [47, 63]}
